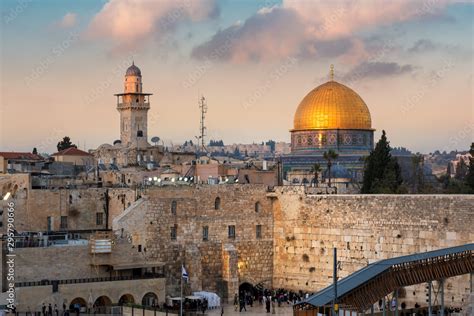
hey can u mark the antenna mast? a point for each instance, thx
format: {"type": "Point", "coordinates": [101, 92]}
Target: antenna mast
{"type": "Point", "coordinates": [203, 108]}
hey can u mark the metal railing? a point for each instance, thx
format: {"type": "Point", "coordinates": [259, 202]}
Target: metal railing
{"type": "Point", "coordinates": [90, 280]}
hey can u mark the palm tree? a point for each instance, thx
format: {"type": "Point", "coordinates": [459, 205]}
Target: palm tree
{"type": "Point", "coordinates": [330, 155]}
{"type": "Point", "coordinates": [316, 169]}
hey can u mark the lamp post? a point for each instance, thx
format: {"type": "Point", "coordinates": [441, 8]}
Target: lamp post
{"type": "Point", "coordinates": [335, 308]}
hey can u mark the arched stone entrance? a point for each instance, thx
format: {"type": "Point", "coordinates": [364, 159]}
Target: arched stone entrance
{"type": "Point", "coordinates": [126, 299]}
{"type": "Point", "coordinates": [150, 299]}
{"type": "Point", "coordinates": [102, 304]}
{"type": "Point", "coordinates": [78, 304]}
{"type": "Point", "coordinates": [247, 288]}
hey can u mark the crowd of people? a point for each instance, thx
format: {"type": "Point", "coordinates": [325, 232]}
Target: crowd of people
{"type": "Point", "coordinates": [266, 297]}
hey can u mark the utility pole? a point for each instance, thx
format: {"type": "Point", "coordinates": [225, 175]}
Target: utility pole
{"type": "Point", "coordinates": [430, 308]}
{"type": "Point", "coordinates": [203, 108]}
{"type": "Point", "coordinates": [335, 308]}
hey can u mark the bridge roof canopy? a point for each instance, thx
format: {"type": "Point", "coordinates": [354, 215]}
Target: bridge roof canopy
{"type": "Point", "coordinates": [366, 286]}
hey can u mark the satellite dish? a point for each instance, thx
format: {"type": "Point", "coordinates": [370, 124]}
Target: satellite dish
{"type": "Point", "coordinates": [155, 139]}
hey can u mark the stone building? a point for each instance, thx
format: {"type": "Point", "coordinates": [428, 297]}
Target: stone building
{"type": "Point", "coordinates": [74, 156]}
{"type": "Point", "coordinates": [133, 148]}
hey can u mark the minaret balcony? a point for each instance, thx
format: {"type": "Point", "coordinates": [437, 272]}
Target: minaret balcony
{"type": "Point", "coordinates": [127, 105]}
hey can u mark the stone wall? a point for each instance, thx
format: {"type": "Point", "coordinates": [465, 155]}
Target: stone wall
{"type": "Point", "coordinates": [32, 207]}
{"type": "Point", "coordinates": [150, 225]}
{"type": "Point", "coordinates": [364, 228]}
{"type": "Point", "coordinates": [72, 262]}
{"type": "Point", "coordinates": [31, 298]}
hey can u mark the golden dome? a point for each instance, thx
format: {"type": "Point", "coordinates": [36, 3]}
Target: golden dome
{"type": "Point", "coordinates": [332, 106]}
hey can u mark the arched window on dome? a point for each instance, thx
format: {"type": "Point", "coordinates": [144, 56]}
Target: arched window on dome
{"type": "Point", "coordinates": [305, 181]}
{"type": "Point", "coordinates": [295, 180]}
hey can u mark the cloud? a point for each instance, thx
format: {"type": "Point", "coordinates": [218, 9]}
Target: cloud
{"type": "Point", "coordinates": [422, 45]}
{"type": "Point", "coordinates": [376, 70]}
{"type": "Point", "coordinates": [310, 29]}
{"type": "Point", "coordinates": [130, 23]}
{"type": "Point", "coordinates": [69, 20]}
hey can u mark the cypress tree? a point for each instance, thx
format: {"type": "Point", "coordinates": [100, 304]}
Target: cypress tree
{"type": "Point", "coordinates": [382, 172]}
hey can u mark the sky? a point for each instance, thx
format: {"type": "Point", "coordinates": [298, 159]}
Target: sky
{"type": "Point", "coordinates": [254, 61]}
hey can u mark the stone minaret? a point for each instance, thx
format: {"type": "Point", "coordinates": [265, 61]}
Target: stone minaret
{"type": "Point", "coordinates": [133, 106]}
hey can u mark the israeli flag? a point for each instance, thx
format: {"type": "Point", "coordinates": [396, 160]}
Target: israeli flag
{"type": "Point", "coordinates": [184, 273]}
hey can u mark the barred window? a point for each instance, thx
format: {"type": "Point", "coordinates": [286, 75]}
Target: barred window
{"type": "Point", "coordinates": [257, 207]}
{"type": "Point", "coordinates": [217, 203]}
{"type": "Point", "coordinates": [173, 232]}
{"type": "Point", "coordinates": [258, 231]}
{"type": "Point", "coordinates": [205, 233]}
{"type": "Point", "coordinates": [231, 231]}
{"type": "Point", "coordinates": [99, 219]}
{"type": "Point", "coordinates": [63, 224]}
{"type": "Point", "coordinates": [174, 206]}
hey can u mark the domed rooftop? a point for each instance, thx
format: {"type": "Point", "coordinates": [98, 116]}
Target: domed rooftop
{"type": "Point", "coordinates": [332, 106]}
{"type": "Point", "coordinates": [133, 71]}
{"type": "Point", "coordinates": [337, 172]}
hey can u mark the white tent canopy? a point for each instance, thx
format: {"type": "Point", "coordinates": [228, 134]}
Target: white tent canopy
{"type": "Point", "coordinates": [213, 299]}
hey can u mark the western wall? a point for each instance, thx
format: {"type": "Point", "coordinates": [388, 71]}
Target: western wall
{"type": "Point", "coordinates": [299, 231]}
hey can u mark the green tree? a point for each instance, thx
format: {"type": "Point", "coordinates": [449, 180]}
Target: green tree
{"type": "Point", "coordinates": [382, 173]}
{"type": "Point", "coordinates": [316, 169]}
{"type": "Point", "coordinates": [272, 144]}
{"type": "Point", "coordinates": [418, 176]}
{"type": "Point", "coordinates": [461, 170]}
{"type": "Point", "coordinates": [65, 143]}
{"type": "Point", "coordinates": [330, 156]}
{"type": "Point", "coordinates": [469, 179]}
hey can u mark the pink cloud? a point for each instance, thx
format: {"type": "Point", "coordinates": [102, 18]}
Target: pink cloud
{"type": "Point", "coordinates": [130, 22]}
{"type": "Point", "coordinates": [311, 29]}
{"type": "Point", "coordinates": [69, 20]}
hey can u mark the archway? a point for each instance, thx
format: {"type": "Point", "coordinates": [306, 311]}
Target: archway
{"type": "Point", "coordinates": [150, 299]}
{"type": "Point", "coordinates": [126, 299]}
{"type": "Point", "coordinates": [246, 288]}
{"type": "Point", "coordinates": [77, 304]}
{"type": "Point", "coordinates": [247, 292]}
{"type": "Point", "coordinates": [101, 304]}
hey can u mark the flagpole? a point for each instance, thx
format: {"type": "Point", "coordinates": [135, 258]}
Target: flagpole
{"type": "Point", "coordinates": [181, 297]}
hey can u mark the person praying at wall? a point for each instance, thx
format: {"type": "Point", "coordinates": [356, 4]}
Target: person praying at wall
{"type": "Point", "coordinates": [43, 309]}
{"type": "Point", "coordinates": [236, 302]}
{"type": "Point", "coordinates": [242, 302]}
{"type": "Point", "coordinates": [56, 310]}
{"type": "Point", "coordinates": [267, 303]}
{"type": "Point", "coordinates": [50, 310]}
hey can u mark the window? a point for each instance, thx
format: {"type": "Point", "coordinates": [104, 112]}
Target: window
{"type": "Point", "coordinates": [99, 219]}
{"type": "Point", "coordinates": [139, 133]}
{"type": "Point", "coordinates": [173, 232]}
{"type": "Point", "coordinates": [258, 231]}
{"type": "Point", "coordinates": [205, 233]}
{"type": "Point", "coordinates": [257, 207]}
{"type": "Point", "coordinates": [217, 203]}
{"type": "Point", "coordinates": [174, 205]}
{"type": "Point", "coordinates": [63, 224]}
{"type": "Point", "coordinates": [50, 223]}
{"type": "Point", "coordinates": [231, 231]}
